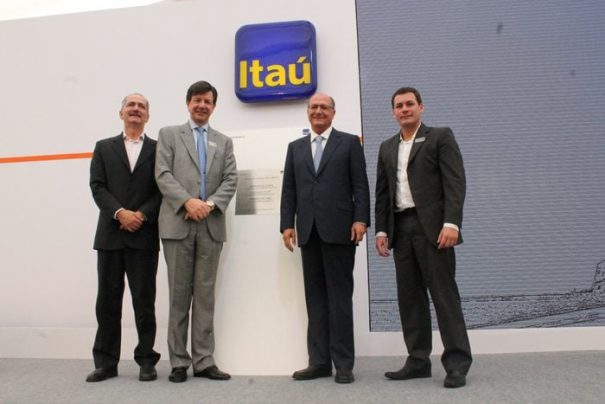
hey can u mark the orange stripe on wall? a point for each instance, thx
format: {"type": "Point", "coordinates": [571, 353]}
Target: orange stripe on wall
{"type": "Point", "coordinates": [45, 157]}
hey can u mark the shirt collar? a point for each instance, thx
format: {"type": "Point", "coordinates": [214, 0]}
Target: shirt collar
{"type": "Point", "coordinates": [325, 134]}
{"type": "Point", "coordinates": [194, 126]}
{"type": "Point", "coordinates": [127, 139]}
{"type": "Point", "coordinates": [413, 136]}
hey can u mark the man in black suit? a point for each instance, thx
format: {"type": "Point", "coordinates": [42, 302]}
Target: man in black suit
{"type": "Point", "coordinates": [325, 191]}
{"type": "Point", "coordinates": [124, 189]}
{"type": "Point", "coordinates": [420, 188]}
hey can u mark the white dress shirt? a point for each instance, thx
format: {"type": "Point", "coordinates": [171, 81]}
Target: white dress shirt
{"type": "Point", "coordinates": [403, 194]}
{"type": "Point", "coordinates": [133, 149]}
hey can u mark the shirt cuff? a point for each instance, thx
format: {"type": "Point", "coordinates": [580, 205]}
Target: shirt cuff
{"type": "Point", "coordinates": [451, 226]}
{"type": "Point", "coordinates": [115, 215]}
{"type": "Point", "coordinates": [381, 234]}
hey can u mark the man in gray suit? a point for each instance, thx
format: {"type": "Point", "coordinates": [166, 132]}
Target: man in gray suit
{"type": "Point", "coordinates": [197, 175]}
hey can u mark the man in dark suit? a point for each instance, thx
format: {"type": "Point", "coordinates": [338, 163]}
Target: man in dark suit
{"type": "Point", "coordinates": [124, 189]}
{"type": "Point", "coordinates": [197, 175]}
{"type": "Point", "coordinates": [420, 188]}
{"type": "Point", "coordinates": [325, 191]}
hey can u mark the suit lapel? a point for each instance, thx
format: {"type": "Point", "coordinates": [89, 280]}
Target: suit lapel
{"type": "Point", "coordinates": [187, 139]}
{"type": "Point", "coordinates": [210, 148]}
{"type": "Point", "coordinates": [305, 144]}
{"type": "Point", "coordinates": [393, 154]}
{"type": "Point", "coordinates": [419, 141]}
{"type": "Point", "coordinates": [146, 152]}
{"type": "Point", "coordinates": [120, 149]}
{"type": "Point", "coordinates": [331, 145]}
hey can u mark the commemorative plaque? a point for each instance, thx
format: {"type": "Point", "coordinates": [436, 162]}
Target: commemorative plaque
{"type": "Point", "coordinates": [258, 192]}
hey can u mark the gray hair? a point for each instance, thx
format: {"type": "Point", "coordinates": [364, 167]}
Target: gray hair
{"type": "Point", "coordinates": [139, 94]}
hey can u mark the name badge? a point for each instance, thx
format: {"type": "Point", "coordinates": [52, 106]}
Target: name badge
{"type": "Point", "coordinates": [419, 139]}
{"type": "Point", "coordinates": [210, 143]}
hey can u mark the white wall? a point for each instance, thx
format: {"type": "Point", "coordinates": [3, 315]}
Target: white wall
{"type": "Point", "coordinates": [62, 82]}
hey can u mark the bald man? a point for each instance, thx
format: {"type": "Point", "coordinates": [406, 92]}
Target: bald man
{"type": "Point", "coordinates": [123, 187]}
{"type": "Point", "coordinates": [325, 192]}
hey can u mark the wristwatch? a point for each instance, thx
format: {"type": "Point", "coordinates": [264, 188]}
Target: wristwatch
{"type": "Point", "coordinates": [211, 204]}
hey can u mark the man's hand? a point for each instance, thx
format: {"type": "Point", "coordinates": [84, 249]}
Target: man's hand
{"type": "Point", "coordinates": [448, 238]}
{"type": "Point", "coordinates": [289, 237]}
{"type": "Point", "coordinates": [382, 246]}
{"type": "Point", "coordinates": [357, 231]}
{"type": "Point", "coordinates": [197, 210]}
{"type": "Point", "coordinates": [130, 221]}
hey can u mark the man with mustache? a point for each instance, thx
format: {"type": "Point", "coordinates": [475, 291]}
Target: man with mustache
{"type": "Point", "coordinates": [197, 175]}
{"type": "Point", "coordinates": [123, 186]}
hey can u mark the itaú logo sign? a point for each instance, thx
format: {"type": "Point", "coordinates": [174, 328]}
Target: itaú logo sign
{"type": "Point", "coordinates": [275, 61]}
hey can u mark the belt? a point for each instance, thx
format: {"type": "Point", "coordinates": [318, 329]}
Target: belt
{"type": "Point", "coordinates": [406, 212]}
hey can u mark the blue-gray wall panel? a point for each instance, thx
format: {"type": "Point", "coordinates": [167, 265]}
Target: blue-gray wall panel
{"type": "Point", "coordinates": [522, 85]}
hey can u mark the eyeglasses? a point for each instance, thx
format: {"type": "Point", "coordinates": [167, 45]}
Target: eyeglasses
{"type": "Point", "coordinates": [320, 107]}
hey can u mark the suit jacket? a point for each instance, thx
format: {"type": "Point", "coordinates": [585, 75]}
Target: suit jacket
{"type": "Point", "coordinates": [334, 197]}
{"type": "Point", "coordinates": [436, 177]}
{"type": "Point", "coordinates": [114, 186]}
{"type": "Point", "coordinates": [178, 177]}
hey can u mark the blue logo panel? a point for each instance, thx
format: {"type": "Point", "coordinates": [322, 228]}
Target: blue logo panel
{"type": "Point", "coordinates": [275, 61]}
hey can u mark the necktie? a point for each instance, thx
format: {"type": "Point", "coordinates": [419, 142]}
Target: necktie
{"type": "Point", "coordinates": [318, 152]}
{"type": "Point", "coordinates": [201, 152]}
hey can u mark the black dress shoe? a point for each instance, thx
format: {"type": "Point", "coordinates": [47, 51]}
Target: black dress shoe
{"type": "Point", "coordinates": [147, 373]}
{"type": "Point", "coordinates": [212, 372]}
{"type": "Point", "coordinates": [178, 375]}
{"type": "Point", "coordinates": [454, 379]}
{"type": "Point", "coordinates": [344, 376]}
{"type": "Point", "coordinates": [408, 372]}
{"type": "Point", "coordinates": [100, 374]}
{"type": "Point", "coordinates": [312, 372]}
